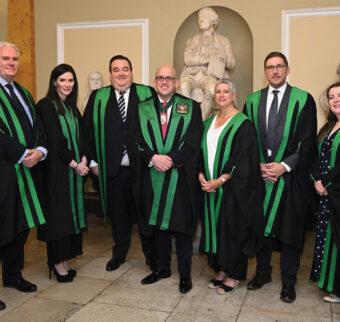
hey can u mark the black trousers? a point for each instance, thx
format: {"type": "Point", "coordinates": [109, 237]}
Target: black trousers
{"type": "Point", "coordinates": [289, 260]}
{"type": "Point", "coordinates": [12, 256]}
{"type": "Point", "coordinates": [120, 208]}
{"type": "Point", "coordinates": [163, 247]}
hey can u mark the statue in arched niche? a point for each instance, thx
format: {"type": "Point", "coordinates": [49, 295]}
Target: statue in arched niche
{"type": "Point", "coordinates": [208, 57]}
{"type": "Point", "coordinates": [95, 81]}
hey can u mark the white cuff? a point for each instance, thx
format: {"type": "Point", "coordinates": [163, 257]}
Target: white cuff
{"type": "Point", "coordinates": [288, 168]}
{"type": "Point", "coordinates": [93, 164]}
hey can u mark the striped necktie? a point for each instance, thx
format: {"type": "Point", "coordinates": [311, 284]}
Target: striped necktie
{"type": "Point", "coordinates": [121, 106]}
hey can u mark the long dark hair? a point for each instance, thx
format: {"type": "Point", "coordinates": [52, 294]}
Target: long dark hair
{"type": "Point", "coordinates": [52, 93]}
{"type": "Point", "coordinates": [331, 118]}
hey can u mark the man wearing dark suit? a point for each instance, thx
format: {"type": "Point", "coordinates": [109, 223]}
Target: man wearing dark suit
{"type": "Point", "coordinates": [285, 118]}
{"type": "Point", "coordinates": [110, 124]}
{"type": "Point", "coordinates": [21, 148]}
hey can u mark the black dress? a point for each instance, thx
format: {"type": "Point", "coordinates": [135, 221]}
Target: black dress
{"type": "Point", "coordinates": [63, 186]}
{"type": "Point", "coordinates": [326, 261]}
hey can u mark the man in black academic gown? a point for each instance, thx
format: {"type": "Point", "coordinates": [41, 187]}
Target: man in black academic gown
{"type": "Point", "coordinates": [110, 125]}
{"type": "Point", "coordinates": [169, 146]}
{"type": "Point", "coordinates": [285, 119]}
{"type": "Point", "coordinates": [21, 148]}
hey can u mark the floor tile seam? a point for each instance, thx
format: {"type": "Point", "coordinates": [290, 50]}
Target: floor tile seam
{"type": "Point", "coordinates": [39, 297]}
{"type": "Point", "coordinates": [280, 312]}
{"type": "Point", "coordinates": [129, 306]}
{"type": "Point", "coordinates": [240, 306]}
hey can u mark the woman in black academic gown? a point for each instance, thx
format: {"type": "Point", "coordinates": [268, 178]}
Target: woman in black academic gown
{"type": "Point", "coordinates": [231, 179]}
{"type": "Point", "coordinates": [326, 263]}
{"type": "Point", "coordinates": [62, 172]}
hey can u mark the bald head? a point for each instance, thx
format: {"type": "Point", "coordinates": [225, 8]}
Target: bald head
{"type": "Point", "coordinates": [166, 69]}
{"type": "Point", "coordinates": [166, 81]}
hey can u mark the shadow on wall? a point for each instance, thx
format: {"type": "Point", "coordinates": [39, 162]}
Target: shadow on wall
{"type": "Point", "coordinates": [236, 29]}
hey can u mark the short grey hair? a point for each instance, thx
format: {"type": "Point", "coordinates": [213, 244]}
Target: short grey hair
{"type": "Point", "coordinates": [228, 82]}
{"type": "Point", "coordinates": [9, 44]}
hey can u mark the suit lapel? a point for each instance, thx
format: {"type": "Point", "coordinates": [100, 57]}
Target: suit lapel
{"type": "Point", "coordinates": [281, 119]}
{"type": "Point", "coordinates": [262, 118]}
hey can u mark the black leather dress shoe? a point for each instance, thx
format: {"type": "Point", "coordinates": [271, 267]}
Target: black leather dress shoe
{"type": "Point", "coordinates": [22, 285]}
{"type": "Point", "coordinates": [2, 305]}
{"type": "Point", "coordinates": [288, 294]}
{"type": "Point", "coordinates": [155, 276]}
{"type": "Point", "coordinates": [114, 264]}
{"type": "Point", "coordinates": [257, 282]}
{"type": "Point", "coordinates": [185, 284]}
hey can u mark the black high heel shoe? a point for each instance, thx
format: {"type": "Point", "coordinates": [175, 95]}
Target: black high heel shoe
{"type": "Point", "coordinates": [72, 272]}
{"type": "Point", "coordinates": [63, 278]}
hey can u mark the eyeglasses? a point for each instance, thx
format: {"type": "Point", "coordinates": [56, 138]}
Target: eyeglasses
{"type": "Point", "coordinates": [165, 78]}
{"type": "Point", "coordinates": [279, 67]}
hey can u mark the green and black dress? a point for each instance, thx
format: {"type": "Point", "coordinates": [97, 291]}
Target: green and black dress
{"type": "Point", "coordinates": [65, 214]}
{"type": "Point", "coordinates": [232, 217]}
{"type": "Point", "coordinates": [326, 263]}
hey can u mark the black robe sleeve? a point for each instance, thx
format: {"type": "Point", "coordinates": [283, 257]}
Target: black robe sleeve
{"type": "Point", "coordinates": [56, 140]}
{"type": "Point", "coordinates": [247, 188]}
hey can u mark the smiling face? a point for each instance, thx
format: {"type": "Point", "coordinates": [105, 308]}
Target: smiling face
{"type": "Point", "coordinates": [165, 82]}
{"type": "Point", "coordinates": [120, 74]}
{"type": "Point", "coordinates": [334, 101]}
{"type": "Point", "coordinates": [223, 96]}
{"type": "Point", "coordinates": [64, 85]}
{"type": "Point", "coordinates": [276, 71]}
{"type": "Point", "coordinates": [9, 62]}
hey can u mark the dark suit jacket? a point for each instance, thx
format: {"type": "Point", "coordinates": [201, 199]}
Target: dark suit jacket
{"type": "Point", "coordinates": [117, 134]}
{"type": "Point", "coordinates": [291, 159]}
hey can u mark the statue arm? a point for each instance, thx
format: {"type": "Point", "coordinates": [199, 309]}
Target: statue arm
{"type": "Point", "coordinates": [192, 55]}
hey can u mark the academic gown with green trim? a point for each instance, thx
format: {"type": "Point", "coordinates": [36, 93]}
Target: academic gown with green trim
{"type": "Point", "coordinates": [329, 279]}
{"type": "Point", "coordinates": [240, 213]}
{"type": "Point", "coordinates": [62, 220]}
{"type": "Point", "coordinates": [287, 214]}
{"type": "Point", "coordinates": [184, 151]}
{"type": "Point", "coordinates": [20, 208]}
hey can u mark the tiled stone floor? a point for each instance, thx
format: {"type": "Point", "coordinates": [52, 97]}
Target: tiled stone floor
{"type": "Point", "coordinates": [97, 295]}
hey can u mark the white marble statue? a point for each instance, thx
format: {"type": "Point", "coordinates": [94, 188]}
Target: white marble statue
{"type": "Point", "coordinates": [95, 81]}
{"type": "Point", "coordinates": [208, 57]}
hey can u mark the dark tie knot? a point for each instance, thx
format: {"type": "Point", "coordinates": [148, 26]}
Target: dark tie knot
{"type": "Point", "coordinates": [121, 93]}
{"type": "Point", "coordinates": [275, 92]}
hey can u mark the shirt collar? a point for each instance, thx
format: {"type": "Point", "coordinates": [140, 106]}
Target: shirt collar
{"type": "Point", "coordinates": [3, 82]}
{"type": "Point", "coordinates": [280, 89]}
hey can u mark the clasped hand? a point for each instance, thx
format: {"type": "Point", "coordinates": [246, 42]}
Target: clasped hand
{"type": "Point", "coordinates": [32, 157]}
{"type": "Point", "coordinates": [82, 168]}
{"type": "Point", "coordinates": [161, 163]}
{"type": "Point", "coordinates": [210, 185]}
{"type": "Point", "coordinates": [320, 189]}
{"type": "Point", "coordinates": [272, 171]}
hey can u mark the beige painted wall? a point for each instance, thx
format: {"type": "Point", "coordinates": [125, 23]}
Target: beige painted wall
{"type": "Point", "coordinates": [3, 20]}
{"type": "Point", "coordinates": [84, 50]}
{"type": "Point", "coordinates": [314, 60]}
{"type": "Point", "coordinates": [165, 18]}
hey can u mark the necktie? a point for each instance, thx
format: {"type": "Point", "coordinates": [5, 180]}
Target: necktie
{"type": "Point", "coordinates": [121, 106]}
{"type": "Point", "coordinates": [164, 119]}
{"type": "Point", "coordinates": [15, 100]}
{"type": "Point", "coordinates": [272, 121]}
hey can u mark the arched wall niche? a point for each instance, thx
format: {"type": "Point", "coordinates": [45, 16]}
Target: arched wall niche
{"type": "Point", "coordinates": [235, 28]}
